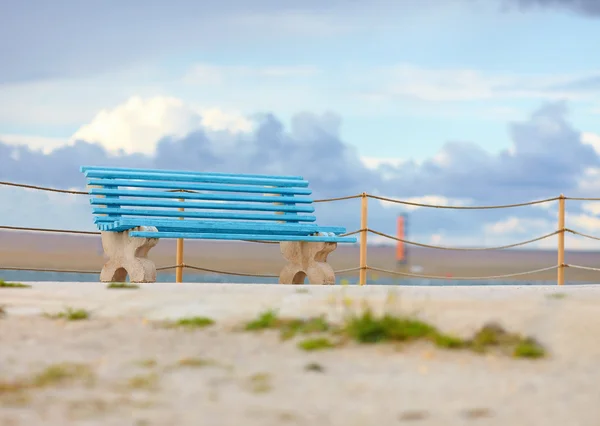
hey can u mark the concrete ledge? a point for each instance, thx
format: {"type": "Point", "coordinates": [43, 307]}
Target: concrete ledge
{"type": "Point", "coordinates": [358, 385]}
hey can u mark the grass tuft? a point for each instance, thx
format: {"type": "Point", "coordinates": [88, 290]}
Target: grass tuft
{"type": "Point", "coordinates": [13, 285]}
{"type": "Point", "coordinates": [448, 342]}
{"type": "Point", "coordinates": [71, 314]}
{"type": "Point", "coordinates": [195, 362]}
{"type": "Point", "coordinates": [61, 373]}
{"type": "Point", "coordinates": [316, 344]}
{"type": "Point", "coordinates": [56, 374]}
{"type": "Point", "coordinates": [529, 348]}
{"type": "Point", "coordinates": [288, 328]}
{"type": "Point", "coordinates": [143, 381]}
{"type": "Point", "coordinates": [193, 322]}
{"type": "Point", "coordinates": [265, 320]}
{"type": "Point", "coordinates": [122, 286]}
{"type": "Point", "coordinates": [367, 328]}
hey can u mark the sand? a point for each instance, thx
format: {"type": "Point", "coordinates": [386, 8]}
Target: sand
{"type": "Point", "coordinates": [241, 378]}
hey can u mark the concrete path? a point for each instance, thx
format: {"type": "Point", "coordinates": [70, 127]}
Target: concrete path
{"type": "Point", "coordinates": [240, 378]}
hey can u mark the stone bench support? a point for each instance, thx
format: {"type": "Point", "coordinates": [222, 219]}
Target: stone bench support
{"type": "Point", "coordinates": [128, 256]}
{"type": "Point", "coordinates": [307, 260]}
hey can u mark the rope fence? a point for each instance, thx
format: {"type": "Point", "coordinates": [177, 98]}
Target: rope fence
{"type": "Point", "coordinates": [363, 231]}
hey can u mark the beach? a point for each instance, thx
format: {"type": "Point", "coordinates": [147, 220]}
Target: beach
{"type": "Point", "coordinates": [127, 367]}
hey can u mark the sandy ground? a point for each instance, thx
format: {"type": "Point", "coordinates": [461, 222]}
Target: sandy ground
{"type": "Point", "coordinates": [242, 378]}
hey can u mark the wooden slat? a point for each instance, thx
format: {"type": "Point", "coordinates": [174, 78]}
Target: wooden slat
{"type": "Point", "coordinates": [188, 172]}
{"type": "Point", "coordinates": [202, 196]}
{"type": "Point", "coordinates": [221, 206]}
{"type": "Point", "coordinates": [198, 205]}
{"type": "Point", "coordinates": [116, 174]}
{"type": "Point", "coordinates": [176, 225]}
{"type": "Point", "coordinates": [239, 237]}
{"type": "Point", "coordinates": [230, 215]}
{"type": "Point", "coordinates": [199, 186]}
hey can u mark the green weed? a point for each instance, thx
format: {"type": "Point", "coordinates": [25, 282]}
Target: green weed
{"type": "Point", "coordinates": [71, 314]}
{"type": "Point", "coordinates": [316, 344]}
{"type": "Point", "coordinates": [122, 286]}
{"type": "Point", "coordinates": [13, 285]}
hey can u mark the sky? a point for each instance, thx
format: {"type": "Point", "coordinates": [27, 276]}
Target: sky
{"type": "Point", "coordinates": [460, 102]}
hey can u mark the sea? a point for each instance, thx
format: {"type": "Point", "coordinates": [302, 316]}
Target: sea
{"type": "Point", "coordinates": [8, 275]}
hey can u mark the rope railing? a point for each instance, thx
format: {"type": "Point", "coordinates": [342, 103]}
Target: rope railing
{"type": "Point", "coordinates": [522, 243]}
{"type": "Point", "coordinates": [42, 188]}
{"type": "Point", "coordinates": [585, 268]}
{"type": "Point", "coordinates": [326, 200]}
{"type": "Point", "coordinates": [581, 234]}
{"type": "Point", "coordinates": [436, 206]}
{"type": "Point", "coordinates": [437, 277]}
{"type": "Point", "coordinates": [162, 268]}
{"type": "Point", "coordinates": [58, 231]}
{"type": "Point", "coordinates": [363, 231]}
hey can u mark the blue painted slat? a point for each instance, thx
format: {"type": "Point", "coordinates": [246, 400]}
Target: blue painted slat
{"type": "Point", "coordinates": [238, 237]}
{"type": "Point", "coordinates": [222, 226]}
{"type": "Point", "coordinates": [196, 178]}
{"type": "Point", "coordinates": [207, 197]}
{"type": "Point", "coordinates": [188, 172]}
{"type": "Point", "coordinates": [174, 227]}
{"type": "Point", "coordinates": [200, 186]}
{"type": "Point", "coordinates": [232, 215]}
{"type": "Point", "coordinates": [197, 205]}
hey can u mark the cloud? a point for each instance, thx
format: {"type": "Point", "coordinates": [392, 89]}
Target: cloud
{"type": "Point", "coordinates": [591, 139]}
{"type": "Point", "coordinates": [70, 38]}
{"type": "Point", "coordinates": [207, 74]}
{"type": "Point", "coordinates": [514, 225]}
{"type": "Point", "coordinates": [584, 7]}
{"type": "Point", "coordinates": [375, 163]}
{"type": "Point", "coordinates": [592, 207]}
{"type": "Point", "coordinates": [139, 124]}
{"type": "Point", "coordinates": [37, 143]}
{"type": "Point", "coordinates": [411, 82]}
{"type": "Point", "coordinates": [546, 157]}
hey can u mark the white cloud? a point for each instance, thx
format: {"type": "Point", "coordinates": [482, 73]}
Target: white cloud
{"type": "Point", "coordinates": [374, 162]}
{"type": "Point", "coordinates": [437, 200]}
{"type": "Point", "coordinates": [208, 74]}
{"type": "Point", "coordinates": [217, 120]}
{"type": "Point", "coordinates": [445, 85]}
{"type": "Point", "coordinates": [38, 143]}
{"type": "Point", "coordinates": [592, 207]}
{"type": "Point", "coordinates": [590, 182]}
{"type": "Point", "coordinates": [582, 222]}
{"type": "Point", "coordinates": [515, 225]}
{"type": "Point", "coordinates": [138, 124]}
{"type": "Point", "coordinates": [591, 139]}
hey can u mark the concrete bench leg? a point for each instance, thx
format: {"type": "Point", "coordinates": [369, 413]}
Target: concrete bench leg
{"type": "Point", "coordinates": [307, 259]}
{"type": "Point", "coordinates": [128, 255]}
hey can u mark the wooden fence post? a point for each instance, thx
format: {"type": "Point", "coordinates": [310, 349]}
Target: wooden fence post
{"type": "Point", "coordinates": [561, 240]}
{"type": "Point", "coordinates": [179, 255]}
{"type": "Point", "coordinates": [363, 238]}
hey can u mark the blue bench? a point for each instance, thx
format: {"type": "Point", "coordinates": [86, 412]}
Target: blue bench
{"type": "Point", "coordinates": [133, 208]}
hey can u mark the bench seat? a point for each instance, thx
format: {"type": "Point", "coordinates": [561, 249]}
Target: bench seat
{"type": "Point", "coordinates": [139, 206]}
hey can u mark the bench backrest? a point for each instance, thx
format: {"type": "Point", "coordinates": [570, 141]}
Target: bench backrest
{"type": "Point", "coordinates": [127, 192]}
